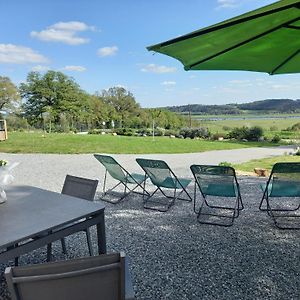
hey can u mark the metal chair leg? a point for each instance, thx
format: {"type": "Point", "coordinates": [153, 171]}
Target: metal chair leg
{"type": "Point", "coordinates": [49, 252]}
{"type": "Point", "coordinates": [63, 246]}
{"type": "Point", "coordinates": [89, 241]}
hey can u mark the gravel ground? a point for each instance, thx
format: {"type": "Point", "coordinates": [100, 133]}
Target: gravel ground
{"type": "Point", "coordinates": [172, 256]}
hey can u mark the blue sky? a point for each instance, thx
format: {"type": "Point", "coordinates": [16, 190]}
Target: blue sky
{"type": "Point", "coordinates": [103, 44]}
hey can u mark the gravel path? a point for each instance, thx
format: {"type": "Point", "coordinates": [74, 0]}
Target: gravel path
{"type": "Point", "coordinates": [172, 256]}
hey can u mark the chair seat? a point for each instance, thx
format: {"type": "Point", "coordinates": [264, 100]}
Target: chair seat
{"type": "Point", "coordinates": [282, 189]}
{"type": "Point", "coordinates": [170, 183]}
{"type": "Point", "coordinates": [222, 190]}
{"type": "Point", "coordinates": [135, 178]}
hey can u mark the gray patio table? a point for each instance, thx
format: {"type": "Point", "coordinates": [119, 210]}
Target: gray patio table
{"type": "Point", "coordinates": [47, 216]}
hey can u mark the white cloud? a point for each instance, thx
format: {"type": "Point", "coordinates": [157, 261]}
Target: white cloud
{"type": "Point", "coordinates": [227, 3]}
{"type": "Point", "coordinates": [40, 68]}
{"type": "Point", "coordinates": [72, 26]}
{"type": "Point", "coordinates": [158, 69]}
{"type": "Point", "coordinates": [64, 32]}
{"type": "Point", "coordinates": [168, 83]}
{"type": "Point", "coordinates": [74, 68]}
{"type": "Point", "coordinates": [15, 54]}
{"type": "Point", "coordinates": [107, 51]}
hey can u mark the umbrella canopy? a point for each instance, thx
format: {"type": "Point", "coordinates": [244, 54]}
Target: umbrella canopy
{"type": "Point", "coordinates": [263, 40]}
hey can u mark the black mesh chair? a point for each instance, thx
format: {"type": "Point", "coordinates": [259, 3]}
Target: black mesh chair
{"type": "Point", "coordinates": [81, 188]}
{"type": "Point", "coordinates": [218, 182]}
{"type": "Point", "coordinates": [282, 195]}
{"type": "Point", "coordinates": [163, 177]}
{"type": "Point", "coordinates": [103, 277]}
{"type": "Point", "coordinates": [121, 175]}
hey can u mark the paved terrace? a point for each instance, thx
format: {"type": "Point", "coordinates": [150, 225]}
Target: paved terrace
{"type": "Point", "coordinates": [172, 256]}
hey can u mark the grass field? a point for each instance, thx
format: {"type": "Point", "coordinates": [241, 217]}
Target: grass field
{"type": "Point", "coordinates": [266, 163]}
{"type": "Point", "coordinates": [271, 126]}
{"type": "Point", "coordinates": [21, 142]}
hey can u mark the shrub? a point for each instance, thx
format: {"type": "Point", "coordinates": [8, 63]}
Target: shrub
{"type": "Point", "coordinates": [95, 131]}
{"type": "Point", "coordinates": [255, 133]}
{"type": "Point", "coordinates": [171, 132]}
{"type": "Point", "coordinates": [244, 133]}
{"type": "Point", "coordinates": [201, 132]}
{"type": "Point", "coordinates": [216, 136]}
{"type": "Point", "coordinates": [225, 164]}
{"type": "Point", "coordinates": [276, 139]}
{"type": "Point", "coordinates": [125, 131]}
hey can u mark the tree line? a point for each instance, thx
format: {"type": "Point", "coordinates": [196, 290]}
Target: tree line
{"type": "Point", "coordinates": [55, 102]}
{"type": "Point", "coordinates": [262, 106]}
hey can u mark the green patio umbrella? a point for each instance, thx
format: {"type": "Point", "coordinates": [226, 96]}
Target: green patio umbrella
{"type": "Point", "coordinates": [263, 40]}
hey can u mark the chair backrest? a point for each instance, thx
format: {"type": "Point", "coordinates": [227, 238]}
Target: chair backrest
{"type": "Point", "coordinates": [80, 187]}
{"type": "Point", "coordinates": [157, 170]}
{"type": "Point", "coordinates": [98, 277]}
{"type": "Point", "coordinates": [285, 180]}
{"type": "Point", "coordinates": [112, 167]}
{"type": "Point", "coordinates": [215, 180]}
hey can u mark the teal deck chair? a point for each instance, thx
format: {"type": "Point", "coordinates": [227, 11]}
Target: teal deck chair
{"type": "Point", "coordinates": [162, 176]}
{"type": "Point", "coordinates": [120, 174]}
{"type": "Point", "coordinates": [283, 183]}
{"type": "Point", "coordinates": [221, 182]}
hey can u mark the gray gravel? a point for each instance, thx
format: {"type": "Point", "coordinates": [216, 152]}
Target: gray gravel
{"type": "Point", "coordinates": [172, 256]}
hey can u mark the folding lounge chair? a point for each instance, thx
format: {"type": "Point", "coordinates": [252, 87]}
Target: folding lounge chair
{"type": "Point", "coordinates": [104, 277]}
{"type": "Point", "coordinates": [120, 174]}
{"type": "Point", "coordinates": [283, 186]}
{"type": "Point", "coordinates": [162, 176]}
{"type": "Point", "coordinates": [221, 182]}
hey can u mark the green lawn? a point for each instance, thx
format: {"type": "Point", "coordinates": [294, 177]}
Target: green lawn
{"type": "Point", "coordinates": [266, 163]}
{"type": "Point", "coordinates": [21, 142]}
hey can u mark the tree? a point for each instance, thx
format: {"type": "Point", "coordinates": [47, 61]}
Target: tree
{"type": "Point", "coordinates": [9, 96]}
{"type": "Point", "coordinates": [52, 94]}
{"type": "Point", "coordinates": [123, 103]}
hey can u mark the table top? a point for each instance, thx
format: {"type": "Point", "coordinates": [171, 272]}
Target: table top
{"type": "Point", "coordinates": [29, 211]}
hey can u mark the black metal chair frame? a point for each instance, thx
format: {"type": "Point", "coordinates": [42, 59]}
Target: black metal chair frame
{"type": "Point", "coordinates": [271, 210]}
{"type": "Point", "coordinates": [123, 182]}
{"type": "Point", "coordinates": [158, 188]}
{"type": "Point", "coordinates": [236, 209]}
{"type": "Point", "coordinates": [93, 187]}
{"type": "Point", "coordinates": [33, 280]}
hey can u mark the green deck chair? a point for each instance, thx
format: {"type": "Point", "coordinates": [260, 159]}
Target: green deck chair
{"type": "Point", "coordinates": [120, 174]}
{"type": "Point", "coordinates": [162, 176]}
{"type": "Point", "coordinates": [283, 182]}
{"type": "Point", "coordinates": [221, 182]}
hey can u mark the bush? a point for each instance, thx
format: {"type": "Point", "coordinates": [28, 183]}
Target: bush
{"type": "Point", "coordinates": [244, 133]}
{"type": "Point", "coordinates": [255, 133]}
{"type": "Point", "coordinates": [201, 132]}
{"type": "Point", "coordinates": [171, 132]}
{"type": "Point", "coordinates": [276, 139]}
{"type": "Point", "coordinates": [216, 136]}
{"type": "Point", "coordinates": [95, 131]}
{"type": "Point", "coordinates": [225, 164]}
{"type": "Point", "coordinates": [125, 131]}
{"type": "Point", "coordinates": [17, 123]}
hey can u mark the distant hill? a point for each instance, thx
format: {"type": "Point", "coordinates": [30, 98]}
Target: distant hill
{"type": "Point", "coordinates": [263, 106]}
